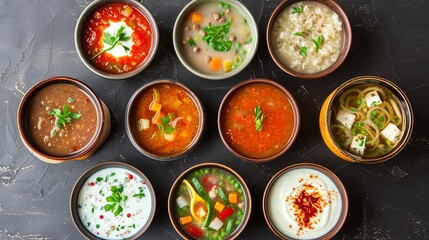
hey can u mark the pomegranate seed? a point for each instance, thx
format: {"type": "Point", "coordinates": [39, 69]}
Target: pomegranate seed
{"type": "Point", "coordinates": [130, 176]}
{"type": "Point", "coordinates": [128, 214]}
{"type": "Point", "coordinates": [91, 184]}
{"type": "Point", "coordinates": [101, 216]}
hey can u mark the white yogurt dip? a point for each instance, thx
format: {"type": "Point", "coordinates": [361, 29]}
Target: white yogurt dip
{"type": "Point", "coordinates": [120, 49]}
{"type": "Point", "coordinates": [304, 203]}
{"type": "Point", "coordinates": [114, 203]}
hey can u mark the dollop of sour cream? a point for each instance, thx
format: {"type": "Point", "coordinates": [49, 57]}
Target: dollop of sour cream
{"type": "Point", "coordinates": [119, 50]}
{"type": "Point", "coordinates": [304, 203]}
{"type": "Point", "coordinates": [114, 203]}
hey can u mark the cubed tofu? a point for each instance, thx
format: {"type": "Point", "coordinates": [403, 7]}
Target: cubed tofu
{"type": "Point", "coordinates": [346, 119]}
{"type": "Point", "coordinates": [201, 212]}
{"type": "Point", "coordinates": [358, 144]}
{"type": "Point", "coordinates": [372, 99]}
{"type": "Point", "coordinates": [391, 133]}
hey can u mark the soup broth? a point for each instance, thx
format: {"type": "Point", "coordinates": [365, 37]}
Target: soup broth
{"type": "Point", "coordinates": [367, 120]}
{"type": "Point", "coordinates": [166, 120]}
{"type": "Point", "coordinates": [216, 38]}
{"type": "Point", "coordinates": [61, 119]}
{"type": "Point", "coordinates": [221, 210]}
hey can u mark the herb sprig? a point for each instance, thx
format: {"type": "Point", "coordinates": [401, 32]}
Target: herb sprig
{"type": "Point", "coordinates": [63, 117]}
{"type": "Point", "coordinates": [259, 118]}
{"type": "Point", "coordinates": [298, 9]}
{"type": "Point", "coordinates": [164, 126]}
{"type": "Point", "coordinates": [114, 40]}
{"type": "Point", "coordinates": [318, 42]}
{"type": "Point", "coordinates": [215, 37]}
{"type": "Point", "coordinates": [303, 51]}
{"type": "Point", "coordinates": [140, 194]}
{"type": "Point", "coordinates": [117, 199]}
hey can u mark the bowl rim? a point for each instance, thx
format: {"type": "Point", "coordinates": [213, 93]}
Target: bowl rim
{"type": "Point", "coordinates": [101, 118]}
{"type": "Point", "coordinates": [88, 173]}
{"type": "Point", "coordinates": [323, 170]}
{"type": "Point", "coordinates": [400, 95]}
{"type": "Point", "coordinates": [201, 113]}
{"type": "Point", "coordinates": [84, 58]}
{"type": "Point", "coordinates": [347, 36]}
{"type": "Point", "coordinates": [177, 42]}
{"type": "Point", "coordinates": [295, 109]}
{"type": "Point", "coordinates": [190, 170]}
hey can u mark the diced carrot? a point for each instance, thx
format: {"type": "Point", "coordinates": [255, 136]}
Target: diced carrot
{"type": "Point", "coordinates": [196, 17]}
{"type": "Point", "coordinates": [154, 106]}
{"type": "Point", "coordinates": [233, 198]}
{"type": "Point", "coordinates": [157, 118]}
{"type": "Point", "coordinates": [186, 219]}
{"type": "Point", "coordinates": [215, 64]}
{"type": "Point", "coordinates": [219, 206]}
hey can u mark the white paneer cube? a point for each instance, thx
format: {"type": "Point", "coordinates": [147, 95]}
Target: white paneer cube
{"type": "Point", "coordinates": [346, 119]}
{"type": "Point", "coordinates": [216, 224]}
{"type": "Point", "coordinates": [358, 144]}
{"type": "Point", "coordinates": [391, 133]}
{"type": "Point", "coordinates": [182, 202]}
{"type": "Point", "coordinates": [372, 99]}
{"type": "Point", "coordinates": [201, 212]}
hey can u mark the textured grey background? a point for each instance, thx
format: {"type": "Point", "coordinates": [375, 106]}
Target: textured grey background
{"type": "Point", "coordinates": [387, 201]}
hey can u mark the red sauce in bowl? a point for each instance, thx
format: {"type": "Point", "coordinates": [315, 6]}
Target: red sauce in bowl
{"type": "Point", "coordinates": [238, 120]}
{"type": "Point", "coordinates": [141, 37]}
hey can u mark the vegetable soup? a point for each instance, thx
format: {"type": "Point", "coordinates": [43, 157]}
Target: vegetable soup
{"type": "Point", "coordinates": [367, 120]}
{"type": "Point", "coordinates": [165, 119]}
{"type": "Point", "coordinates": [210, 204]}
{"type": "Point", "coordinates": [257, 120]}
{"type": "Point", "coordinates": [216, 38]}
{"type": "Point", "coordinates": [117, 37]}
{"type": "Point", "coordinates": [61, 119]}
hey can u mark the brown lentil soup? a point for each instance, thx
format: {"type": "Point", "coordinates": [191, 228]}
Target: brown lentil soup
{"type": "Point", "coordinates": [42, 125]}
{"type": "Point", "coordinates": [165, 120]}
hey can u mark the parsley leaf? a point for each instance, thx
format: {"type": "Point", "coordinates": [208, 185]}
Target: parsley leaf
{"type": "Point", "coordinates": [191, 42]}
{"type": "Point", "coordinates": [140, 194]}
{"type": "Point", "coordinates": [318, 41]}
{"type": "Point", "coordinates": [259, 118]}
{"type": "Point", "coordinates": [215, 37]}
{"type": "Point", "coordinates": [114, 40]}
{"type": "Point", "coordinates": [300, 34]}
{"type": "Point", "coordinates": [117, 199]}
{"type": "Point", "coordinates": [297, 9]}
{"type": "Point", "coordinates": [164, 126]}
{"type": "Point", "coordinates": [303, 51]}
{"type": "Point", "coordinates": [62, 117]}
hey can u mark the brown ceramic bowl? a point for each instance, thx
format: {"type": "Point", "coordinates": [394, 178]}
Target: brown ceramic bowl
{"type": "Point", "coordinates": [101, 131]}
{"type": "Point", "coordinates": [346, 43]}
{"type": "Point", "coordinates": [277, 133]}
{"type": "Point", "coordinates": [79, 30]}
{"type": "Point", "coordinates": [291, 185]}
{"type": "Point", "coordinates": [134, 108]}
{"type": "Point", "coordinates": [326, 120]}
{"type": "Point", "coordinates": [137, 212]}
{"type": "Point", "coordinates": [201, 171]}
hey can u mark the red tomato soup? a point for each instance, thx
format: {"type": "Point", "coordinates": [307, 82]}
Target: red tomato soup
{"type": "Point", "coordinates": [257, 120]}
{"type": "Point", "coordinates": [103, 29]}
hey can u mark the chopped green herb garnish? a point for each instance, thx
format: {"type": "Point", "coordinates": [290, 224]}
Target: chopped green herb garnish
{"type": "Point", "coordinates": [114, 40]}
{"type": "Point", "coordinates": [92, 210]}
{"type": "Point", "coordinates": [191, 42]}
{"type": "Point", "coordinates": [318, 42]}
{"type": "Point", "coordinates": [259, 118]}
{"type": "Point", "coordinates": [396, 119]}
{"type": "Point", "coordinates": [97, 226]}
{"type": "Point", "coordinates": [99, 179]}
{"type": "Point", "coordinates": [88, 224]}
{"type": "Point", "coordinates": [216, 37]}
{"type": "Point", "coordinates": [164, 126]}
{"type": "Point", "coordinates": [140, 194]}
{"type": "Point", "coordinates": [117, 199]}
{"type": "Point", "coordinates": [303, 51]}
{"type": "Point", "coordinates": [297, 9]}
{"type": "Point", "coordinates": [301, 34]}
{"type": "Point", "coordinates": [63, 117]}
{"type": "Point", "coordinates": [70, 100]}
{"type": "Point", "coordinates": [224, 5]}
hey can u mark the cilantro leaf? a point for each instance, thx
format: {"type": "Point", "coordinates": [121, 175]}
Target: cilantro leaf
{"type": "Point", "coordinates": [118, 39]}
{"type": "Point", "coordinates": [318, 42]}
{"type": "Point", "coordinates": [62, 117]}
{"type": "Point", "coordinates": [216, 37]}
{"type": "Point", "coordinates": [303, 51]}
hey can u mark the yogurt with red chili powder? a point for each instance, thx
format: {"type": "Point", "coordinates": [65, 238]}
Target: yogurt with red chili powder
{"type": "Point", "coordinates": [304, 203]}
{"type": "Point", "coordinates": [114, 203]}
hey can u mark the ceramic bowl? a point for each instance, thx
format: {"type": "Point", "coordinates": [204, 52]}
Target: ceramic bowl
{"type": "Point", "coordinates": [295, 185]}
{"type": "Point", "coordinates": [346, 43]}
{"type": "Point", "coordinates": [101, 131]}
{"type": "Point", "coordinates": [242, 131]}
{"type": "Point", "coordinates": [326, 120]}
{"type": "Point", "coordinates": [134, 135]}
{"type": "Point", "coordinates": [202, 170]}
{"type": "Point", "coordinates": [180, 43]}
{"type": "Point", "coordinates": [86, 59]}
{"type": "Point", "coordinates": [93, 205]}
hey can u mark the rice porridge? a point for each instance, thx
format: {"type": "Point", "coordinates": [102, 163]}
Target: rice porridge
{"type": "Point", "coordinates": [307, 37]}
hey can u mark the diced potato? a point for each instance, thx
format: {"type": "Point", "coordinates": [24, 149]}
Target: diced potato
{"type": "Point", "coordinates": [346, 119]}
{"type": "Point", "coordinates": [391, 133]}
{"type": "Point", "coordinates": [185, 220]}
{"type": "Point", "coordinates": [154, 106]}
{"type": "Point", "coordinates": [127, 11]}
{"type": "Point", "coordinates": [358, 144]}
{"type": "Point", "coordinates": [219, 206]}
{"type": "Point", "coordinates": [143, 124]}
{"type": "Point", "coordinates": [233, 197]}
{"type": "Point", "coordinates": [170, 137]}
{"type": "Point", "coordinates": [227, 65]}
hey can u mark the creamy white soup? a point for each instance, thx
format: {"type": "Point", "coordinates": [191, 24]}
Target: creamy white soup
{"type": "Point", "coordinates": [114, 203]}
{"type": "Point", "coordinates": [304, 204]}
{"type": "Point", "coordinates": [307, 37]}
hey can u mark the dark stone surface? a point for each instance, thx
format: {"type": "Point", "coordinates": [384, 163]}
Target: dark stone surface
{"type": "Point", "coordinates": [387, 201]}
